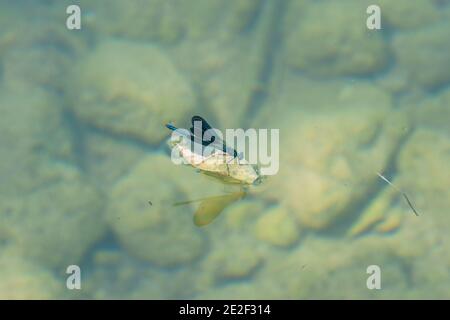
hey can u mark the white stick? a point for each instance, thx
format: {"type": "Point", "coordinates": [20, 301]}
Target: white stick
{"type": "Point", "coordinates": [400, 191]}
{"type": "Point", "coordinates": [386, 179]}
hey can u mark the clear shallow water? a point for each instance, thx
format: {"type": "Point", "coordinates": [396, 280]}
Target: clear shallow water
{"type": "Point", "coordinates": [84, 150]}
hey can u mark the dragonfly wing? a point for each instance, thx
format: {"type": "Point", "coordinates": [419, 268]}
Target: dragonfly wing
{"type": "Point", "coordinates": [214, 140]}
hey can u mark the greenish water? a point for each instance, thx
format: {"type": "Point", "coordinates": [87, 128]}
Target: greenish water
{"type": "Point", "coordinates": [87, 178]}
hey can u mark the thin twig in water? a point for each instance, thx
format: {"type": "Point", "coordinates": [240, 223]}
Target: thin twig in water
{"type": "Point", "coordinates": [400, 191]}
{"type": "Point", "coordinates": [409, 203]}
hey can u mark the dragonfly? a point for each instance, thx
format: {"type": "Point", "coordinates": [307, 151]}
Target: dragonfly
{"type": "Point", "coordinates": [221, 160]}
{"type": "Point", "coordinates": [223, 163]}
{"type": "Point", "coordinates": [201, 134]}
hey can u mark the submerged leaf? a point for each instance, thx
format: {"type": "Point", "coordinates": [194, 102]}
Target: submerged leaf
{"type": "Point", "coordinates": [211, 207]}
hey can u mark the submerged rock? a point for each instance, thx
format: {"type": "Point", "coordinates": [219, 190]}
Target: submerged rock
{"type": "Point", "coordinates": [331, 39]}
{"type": "Point", "coordinates": [160, 232]}
{"type": "Point", "coordinates": [229, 89]}
{"type": "Point", "coordinates": [433, 113]}
{"type": "Point", "coordinates": [169, 21]}
{"type": "Point", "coordinates": [236, 258]}
{"type": "Point", "coordinates": [334, 137]}
{"type": "Point", "coordinates": [35, 66]}
{"type": "Point", "coordinates": [130, 89]}
{"type": "Point", "coordinates": [429, 46]}
{"type": "Point", "coordinates": [107, 159]}
{"type": "Point", "coordinates": [21, 279]}
{"type": "Point", "coordinates": [378, 214]}
{"type": "Point", "coordinates": [226, 79]}
{"type": "Point", "coordinates": [277, 227]}
{"type": "Point", "coordinates": [242, 215]}
{"type": "Point", "coordinates": [405, 14]}
{"type": "Point", "coordinates": [56, 223]}
{"type": "Point", "coordinates": [423, 169]}
{"type": "Point", "coordinates": [155, 20]}
{"type": "Point", "coordinates": [33, 134]}
{"type": "Point", "coordinates": [34, 49]}
{"type": "Point", "coordinates": [47, 201]}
